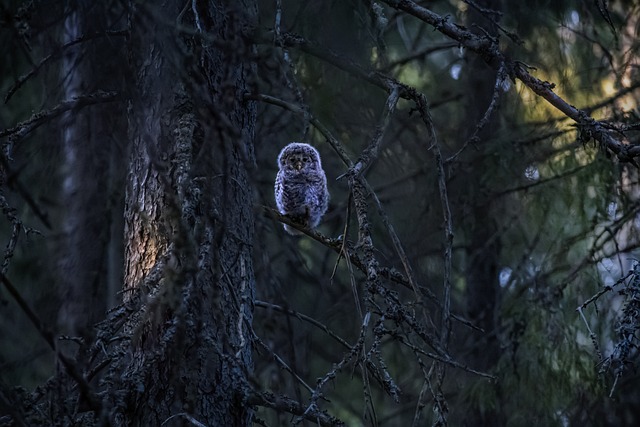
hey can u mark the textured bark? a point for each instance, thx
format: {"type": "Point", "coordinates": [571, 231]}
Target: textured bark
{"type": "Point", "coordinates": [189, 218]}
{"type": "Point", "coordinates": [90, 139]}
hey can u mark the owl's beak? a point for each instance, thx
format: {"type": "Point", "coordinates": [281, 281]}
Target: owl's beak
{"type": "Point", "coordinates": [297, 165]}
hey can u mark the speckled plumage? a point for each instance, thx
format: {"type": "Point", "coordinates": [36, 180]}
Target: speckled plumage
{"type": "Point", "coordinates": [301, 185]}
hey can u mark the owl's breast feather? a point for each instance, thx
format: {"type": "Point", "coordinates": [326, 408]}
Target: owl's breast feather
{"type": "Point", "coordinates": [294, 197]}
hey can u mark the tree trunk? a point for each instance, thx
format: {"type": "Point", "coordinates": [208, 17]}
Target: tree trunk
{"type": "Point", "coordinates": [483, 240]}
{"type": "Point", "coordinates": [189, 216]}
{"type": "Point", "coordinates": [89, 137]}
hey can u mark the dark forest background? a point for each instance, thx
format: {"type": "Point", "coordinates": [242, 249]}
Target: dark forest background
{"type": "Point", "coordinates": [478, 264]}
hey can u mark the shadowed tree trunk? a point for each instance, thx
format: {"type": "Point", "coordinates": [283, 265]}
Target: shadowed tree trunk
{"type": "Point", "coordinates": [90, 139]}
{"type": "Point", "coordinates": [484, 242]}
{"type": "Point", "coordinates": [189, 217]}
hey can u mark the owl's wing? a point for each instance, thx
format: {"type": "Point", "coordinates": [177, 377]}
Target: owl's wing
{"type": "Point", "coordinates": [323, 198]}
{"type": "Point", "coordinates": [277, 190]}
{"type": "Point", "coordinates": [278, 184]}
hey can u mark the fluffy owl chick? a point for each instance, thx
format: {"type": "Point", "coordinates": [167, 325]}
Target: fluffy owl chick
{"type": "Point", "coordinates": [301, 185]}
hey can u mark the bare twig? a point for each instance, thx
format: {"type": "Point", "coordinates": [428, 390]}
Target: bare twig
{"type": "Point", "coordinates": [370, 154]}
{"type": "Point", "coordinates": [56, 54]}
{"type": "Point", "coordinates": [489, 49]}
{"type": "Point", "coordinates": [288, 405]}
{"type": "Point", "coordinates": [604, 12]}
{"type": "Point", "coordinates": [420, 54]}
{"type": "Point", "coordinates": [289, 74]}
{"type": "Point", "coordinates": [13, 182]}
{"type": "Point", "coordinates": [281, 362]}
{"type": "Point", "coordinates": [489, 14]}
{"type": "Point", "coordinates": [10, 213]}
{"type": "Point", "coordinates": [69, 365]}
{"type": "Point", "coordinates": [497, 90]}
{"type": "Point", "coordinates": [305, 318]}
{"type": "Point", "coordinates": [317, 393]}
{"type": "Point", "coordinates": [22, 129]}
{"type": "Point", "coordinates": [604, 290]}
{"type": "Point", "coordinates": [296, 109]}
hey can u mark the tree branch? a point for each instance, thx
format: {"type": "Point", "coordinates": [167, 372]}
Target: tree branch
{"type": "Point", "coordinates": [489, 49]}
{"type": "Point", "coordinates": [22, 129]}
{"type": "Point", "coordinates": [290, 406]}
{"type": "Point", "coordinates": [57, 53]}
{"type": "Point", "coordinates": [13, 182]}
{"type": "Point", "coordinates": [69, 365]}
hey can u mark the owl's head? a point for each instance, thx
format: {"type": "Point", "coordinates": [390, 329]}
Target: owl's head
{"type": "Point", "coordinates": [298, 157]}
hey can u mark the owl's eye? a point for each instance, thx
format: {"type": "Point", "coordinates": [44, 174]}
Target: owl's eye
{"type": "Point", "coordinates": [305, 159]}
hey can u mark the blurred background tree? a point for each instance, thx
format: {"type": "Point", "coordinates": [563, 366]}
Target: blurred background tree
{"type": "Point", "coordinates": [503, 232]}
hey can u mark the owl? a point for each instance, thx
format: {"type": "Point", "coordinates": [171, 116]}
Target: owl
{"type": "Point", "coordinates": [301, 185]}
